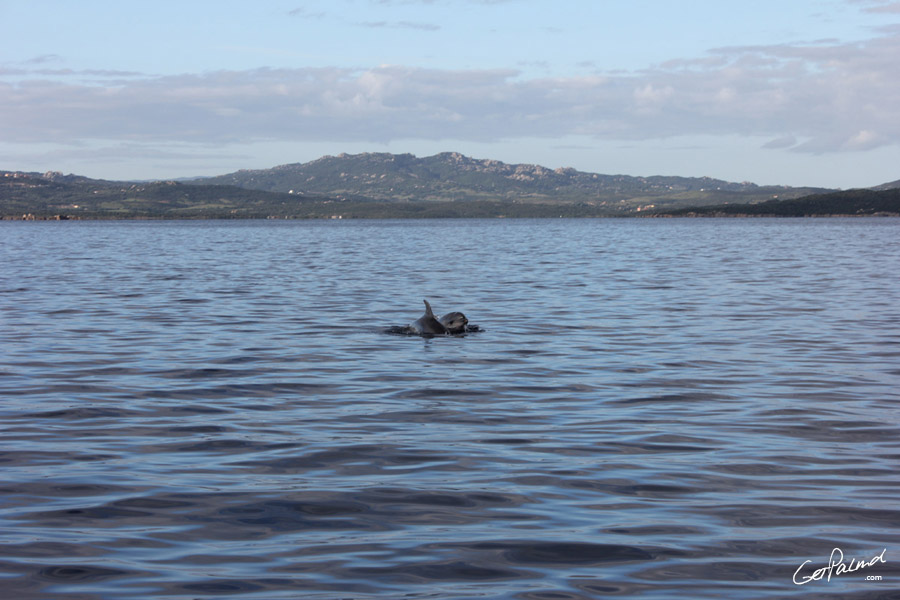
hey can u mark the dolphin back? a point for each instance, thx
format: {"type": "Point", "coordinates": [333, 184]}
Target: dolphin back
{"type": "Point", "coordinates": [427, 323]}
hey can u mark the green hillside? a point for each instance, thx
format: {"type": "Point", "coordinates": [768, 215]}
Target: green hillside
{"type": "Point", "coordinates": [861, 202]}
{"type": "Point", "coordinates": [42, 197]}
{"type": "Point", "coordinates": [402, 186]}
{"type": "Point", "coordinates": [452, 177]}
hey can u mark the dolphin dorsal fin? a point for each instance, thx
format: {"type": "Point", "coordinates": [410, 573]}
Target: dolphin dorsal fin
{"type": "Point", "coordinates": [428, 309]}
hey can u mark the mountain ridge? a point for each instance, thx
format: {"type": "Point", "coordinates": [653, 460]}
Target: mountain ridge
{"type": "Point", "coordinates": [385, 185]}
{"type": "Point", "coordinates": [451, 176]}
{"type": "Point", "coordinates": [891, 185]}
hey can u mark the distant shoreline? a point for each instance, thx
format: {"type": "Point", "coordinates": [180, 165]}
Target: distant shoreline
{"type": "Point", "coordinates": [73, 218]}
{"type": "Point", "coordinates": [449, 185]}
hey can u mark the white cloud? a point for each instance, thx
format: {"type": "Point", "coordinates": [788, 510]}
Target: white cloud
{"type": "Point", "coordinates": [786, 141]}
{"type": "Point", "coordinates": [864, 140]}
{"type": "Point", "coordinates": [44, 58]}
{"type": "Point", "coordinates": [879, 6]}
{"type": "Point", "coordinates": [305, 13]}
{"type": "Point", "coordinates": [400, 25]}
{"type": "Point", "coordinates": [828, 96]}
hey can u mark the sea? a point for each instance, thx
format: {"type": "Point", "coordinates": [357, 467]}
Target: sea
{"type": "Point", "coordinates": [644, 408]}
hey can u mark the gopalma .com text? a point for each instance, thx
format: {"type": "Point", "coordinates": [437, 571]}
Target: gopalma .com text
{"type": "Point", "coordinates": [836, 566]}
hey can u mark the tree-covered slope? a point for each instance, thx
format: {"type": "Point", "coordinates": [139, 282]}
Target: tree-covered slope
{"type": "Point", "coordinates": [860, 202]}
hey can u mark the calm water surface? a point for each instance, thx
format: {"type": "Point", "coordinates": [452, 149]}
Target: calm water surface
{"type": "Point", "coordinates": [655, 409]}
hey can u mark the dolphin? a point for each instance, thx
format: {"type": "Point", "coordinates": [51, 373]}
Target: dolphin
{"type": "Point", "coordinates": [427, 323]}
{"type": "Point", "coordinates": [455, 322]}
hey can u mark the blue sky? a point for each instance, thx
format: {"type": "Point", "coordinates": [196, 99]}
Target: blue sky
{"type": "Point", "coordinates": [799, 92]}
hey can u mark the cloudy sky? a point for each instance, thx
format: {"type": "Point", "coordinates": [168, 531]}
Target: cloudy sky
{"type": "Point", "coordinates": [796, 92]}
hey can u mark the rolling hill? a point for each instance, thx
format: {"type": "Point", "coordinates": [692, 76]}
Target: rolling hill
{"type": "Point", "coordinates": [453, 177]}
{"type": "Point", "coordinates": [401, 185]}
{"type": "Point", "coordinates": [33, 195]}
{"type": "Point", "coordinates": [849, 203]}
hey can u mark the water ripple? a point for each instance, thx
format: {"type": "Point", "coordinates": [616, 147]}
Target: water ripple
{"type": "Point", "coordinates": [660, 410]}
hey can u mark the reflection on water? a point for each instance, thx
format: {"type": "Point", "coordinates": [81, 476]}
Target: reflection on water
{"type": "Point", "coordinates": [654, 409]}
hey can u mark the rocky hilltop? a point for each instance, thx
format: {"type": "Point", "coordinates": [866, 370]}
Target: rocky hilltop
{"type": "Point", "coordinates": [893, 185]}
{"type": "Point", "coordinates": [451, 176]}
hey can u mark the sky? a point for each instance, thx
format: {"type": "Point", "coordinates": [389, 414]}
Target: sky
{"type": "Point", "coordinates": [777, 92]}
